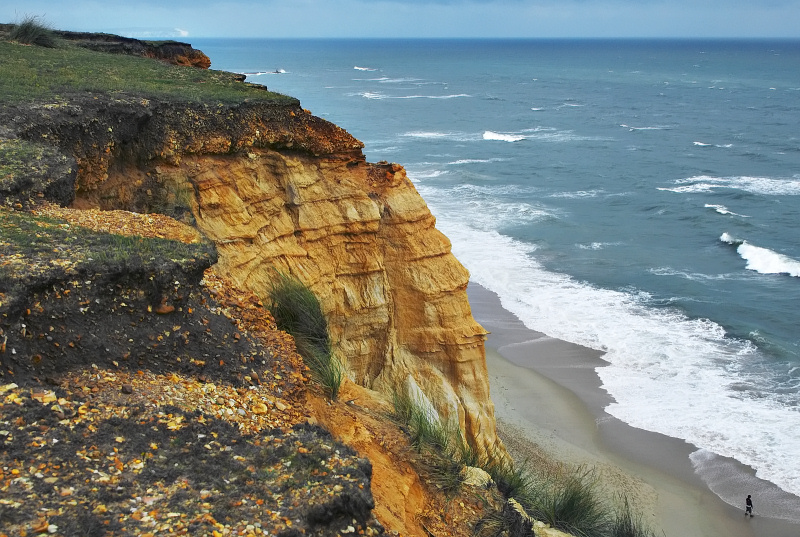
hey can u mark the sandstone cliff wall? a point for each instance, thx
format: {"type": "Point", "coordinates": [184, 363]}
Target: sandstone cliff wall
{"type": "Point", "coordinates": [277, 188]}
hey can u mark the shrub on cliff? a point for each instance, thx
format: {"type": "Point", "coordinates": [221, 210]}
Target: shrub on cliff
{"type": "Point", "coordinates": [297, 311]}
{"type": "Point", "coordinates": [33, 31]}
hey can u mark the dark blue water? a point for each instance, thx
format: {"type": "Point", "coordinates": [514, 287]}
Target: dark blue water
{"type": "Point", "coordinates": [639, 197]}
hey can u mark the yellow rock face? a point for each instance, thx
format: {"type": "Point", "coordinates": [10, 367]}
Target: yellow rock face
{"type": "Point", "coordinates": [279, 189]}
{"type": "Point", "coordinates": [360, 236]}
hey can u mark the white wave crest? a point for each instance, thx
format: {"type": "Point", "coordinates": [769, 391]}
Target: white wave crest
{"type": "Point", "coordinates": [577, 194]}
{"type": "Point", "coordinates": [370, 95]}
{"type": "Point", "coordinates": [721, 209]}
{"type": "Point", "coordinates": [769, 186]}
{"type": "Point", "coordinates": [763, 260]}
{"type": "Point", "coordinates": [449, 136]}
{"type": "Point", "coordinates": [454, 96]}
{"type": "Point", "coordinates": [377, 95]}
{"type": "Point", "coordinates": [474, 161]}
{"type": "Point", "coordinates": [653, 128]}
{"type": "Point", "coordinates": [357, 68]}
{"type": "Point", "coordinates": [721, 146]}
{"type": "Point", "coordinates": [501, 137]}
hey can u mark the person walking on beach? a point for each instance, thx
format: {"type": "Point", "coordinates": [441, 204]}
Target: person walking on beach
{"type": "Point", "coordinates": [748, 509]}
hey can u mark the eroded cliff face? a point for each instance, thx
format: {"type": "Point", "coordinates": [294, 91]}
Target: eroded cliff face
{"type": "Point", "coordinates": [279, 189]}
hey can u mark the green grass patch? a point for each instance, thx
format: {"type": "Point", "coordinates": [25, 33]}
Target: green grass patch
{"type": "Point", "coordinates": [297, 311]}
{"type": "Point", "coordinates": [50, 74]}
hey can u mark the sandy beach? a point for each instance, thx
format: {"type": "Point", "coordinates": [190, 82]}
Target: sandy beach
{"type": "Point", "coordinates": [549, 407]}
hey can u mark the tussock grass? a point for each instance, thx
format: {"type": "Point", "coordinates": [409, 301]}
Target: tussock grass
{"type": "Point", "coordinates": [628, 522]}
{"type": "Point", "coordinates": [33, 30]}
{"type": "Point", "coordinates": [506, 522]}
{"type": "Point", "coordinates": [570, 501]}
{"type": "Point", "coordinates": [297, 311]}
{"type": "Point", "coordinates": [444, 450]}
{"type": "Point", "coordinates": [512, 481]}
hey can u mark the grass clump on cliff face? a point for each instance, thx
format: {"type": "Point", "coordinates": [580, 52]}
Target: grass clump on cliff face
{"type": "Point", "coordinates": [33, 31]}
{"type": "Point", "coordinates": [297, 311]}
{"type": "Point", "coordinates": [35, 74]}
{"type": "Point", "coordinates": [445, 451]}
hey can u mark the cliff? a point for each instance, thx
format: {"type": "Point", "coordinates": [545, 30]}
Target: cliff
{"type": "Point", "coordinates": [276, 188]}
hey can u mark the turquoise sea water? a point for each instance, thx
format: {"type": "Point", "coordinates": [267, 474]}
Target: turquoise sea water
{"type": "Point", "coordinates": [638, 197]}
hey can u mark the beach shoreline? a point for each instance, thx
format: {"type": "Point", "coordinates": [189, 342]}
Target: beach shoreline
{"type": "Point", "coordinates": [549, 406]}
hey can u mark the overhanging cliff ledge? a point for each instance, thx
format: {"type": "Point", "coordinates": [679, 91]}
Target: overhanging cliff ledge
{"type": "Point", "coordinates": [278, 189]}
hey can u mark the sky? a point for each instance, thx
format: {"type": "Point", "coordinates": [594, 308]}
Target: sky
{"type": "Point", "coordinates": [184, 19]}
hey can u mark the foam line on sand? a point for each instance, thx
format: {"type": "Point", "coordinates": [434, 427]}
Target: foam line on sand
{"type": "Point", "coordinates": [550, 408]}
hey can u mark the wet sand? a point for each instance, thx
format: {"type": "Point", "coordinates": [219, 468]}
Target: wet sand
{"type": "Point", "coordinates": [549, 407]}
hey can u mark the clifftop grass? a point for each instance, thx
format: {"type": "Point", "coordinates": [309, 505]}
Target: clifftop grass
{"type": "Point", "coordinates": [32, 73]}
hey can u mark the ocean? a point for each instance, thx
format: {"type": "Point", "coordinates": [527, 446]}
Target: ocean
{"type": "Point", "coordinates": [637, 197]}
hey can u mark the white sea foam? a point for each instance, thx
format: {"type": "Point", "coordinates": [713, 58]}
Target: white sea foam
{"type": "Point", "coordinates": [721, 209]}
{"type": "Point", "coordinates": [486, 210]}
{"type": "Point", "coordinates": [450, 136]}
{"type": "Point", "coordinates": [693, 276]}
{"type": "Point", "coordinates": [763, 260]}
{"type": "Point", "coordinates": [427, 174]}
{"type": "Point", "coordinates": [453, 96]}
{"type": "Point", "coordinates": [388, 80]}
{"type": "Point", "coordinates": [722, 146]}
{"type": "Point", "coordinates": [652, 128]}
{"type": "Point", "coordinates": [578, 194]}
{"type": "Point", "coordinates": [502, 137]}
{"type": "Point", "coordinates": [755, 185]}
{"type": "Point", "coordinates": [667, 373]}
{"type": "Point", "coordinates": [377, 95]}
{"type": "Point", "coordinates": [474, 161]}
{"type": "Point", "coordinates": [357, 68]}
{"type": "Point", "coordinates": [726, 480]}
{"type": "Point", "coordinates": [596, 245]}
{"type": "Point", "coordinates": [537, 109]}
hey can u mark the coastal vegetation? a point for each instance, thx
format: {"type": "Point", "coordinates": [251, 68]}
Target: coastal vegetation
{"type": "Point", "coordinates": [442, 445]}
{"type": "Point", "coordinates": [32, 30]}
{"type": "Point", "coordinates": [570, 499]}
{"type": "Point", "coordinates": [44, 73]}
{"type": "Point", "coordinates": [297, 311]}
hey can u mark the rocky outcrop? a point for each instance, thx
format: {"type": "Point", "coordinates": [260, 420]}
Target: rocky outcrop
{"type": "Point", "coordinates": [278, 189]}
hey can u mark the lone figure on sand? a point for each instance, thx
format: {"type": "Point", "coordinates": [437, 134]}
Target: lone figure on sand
{"type": "Point", "coordinates": [748, 510]}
